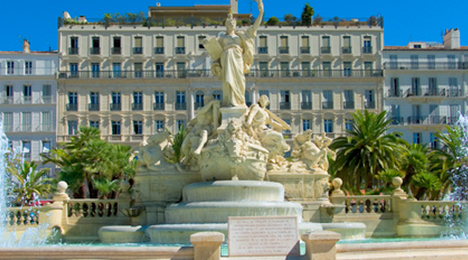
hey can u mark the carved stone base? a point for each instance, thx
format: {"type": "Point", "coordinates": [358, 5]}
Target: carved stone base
{"type": "Point", "coordinates": [231, 114]}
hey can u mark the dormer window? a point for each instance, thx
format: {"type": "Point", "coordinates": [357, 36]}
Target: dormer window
{"type": "Point", "coordinates": [417, 46]}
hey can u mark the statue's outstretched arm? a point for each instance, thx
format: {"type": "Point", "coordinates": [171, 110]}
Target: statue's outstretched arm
{"type": "Point", "coordinates": [258, 21]}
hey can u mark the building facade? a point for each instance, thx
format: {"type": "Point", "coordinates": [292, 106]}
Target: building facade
{"type": "Point", "coordinates": [426, 87]}
{"type": "Point", "coordinates": [131, 80]}
{"type": "Point", "coordinates": [28, 101]}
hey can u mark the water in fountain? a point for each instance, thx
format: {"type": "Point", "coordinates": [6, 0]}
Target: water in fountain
{"type": "Point", "coordinates": [33, 236]}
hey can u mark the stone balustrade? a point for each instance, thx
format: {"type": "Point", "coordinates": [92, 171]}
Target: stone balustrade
{"type": "Point", "coordinates": [93, 208]}
{"type": "Point", "coordinates": [22, 217]}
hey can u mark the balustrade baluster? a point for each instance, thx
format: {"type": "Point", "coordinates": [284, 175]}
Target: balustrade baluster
{"type": "Point", "coordinates": [14, 219]}
{"type": "Point", "coordinates": [20, 219]}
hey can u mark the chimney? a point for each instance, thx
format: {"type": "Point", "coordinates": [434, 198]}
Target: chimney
{"type": "Point", "coordinates": [26, 46]}
{"type": "Point", "coordinates": [66, 15]}
{"type": "Point", "coordinates": [158, 4]}
{"type": "Point", "coordinates": [82, 19]}
{"type": "Point", "coordinates": [452, 39]}
{"type": "Point", "coordinates": [234, 6]}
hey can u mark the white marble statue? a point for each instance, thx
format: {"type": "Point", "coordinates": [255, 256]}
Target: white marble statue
{"type": "Point", "coordinates": [232, 54]}
{"type": "Point", "coordinates": [313, 153]}
{"type": "Point", "coordinates": [152, 156]}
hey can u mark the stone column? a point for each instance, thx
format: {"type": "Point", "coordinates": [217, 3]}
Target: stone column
{"type": "Point", "coordinates": [321, 245]}
{"type": "Point", "coordinates": [56, 213]}
{"type": "Point", "coordinates": [207, 245]}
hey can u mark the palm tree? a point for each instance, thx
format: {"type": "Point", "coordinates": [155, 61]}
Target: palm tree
{"type": "Point", "coordinates": [414, 160]}
{"type": "Point", "coordinates": [366, 151]}
{"type": "Point", "coordinates": [426, 185]}
{"type": "Point", "coordinates": [105, 187]}
{"type": "Point", "coordinates": [29, 182]}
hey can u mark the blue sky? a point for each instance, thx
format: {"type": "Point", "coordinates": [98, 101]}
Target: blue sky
{"type": "Point", "coordinates": [403, 20]}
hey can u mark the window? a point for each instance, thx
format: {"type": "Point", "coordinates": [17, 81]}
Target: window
{"type": "Point", "coordinates": [326, 66]}
{"type": "Point", "coordinates": [248, 100]}
{"type": "Point", "coordinates": [306, 103]}
{"type": "Point", "coordinates": [137, 127]}
{"type": "Point", "coordinates": [159, 69]}
{"type": "Point", "coordinates": [434, 114]}
{"type": "Point", "coordinates": [46, 146]}
{"type": "Point", "coordinates": [305, 124]}
{"type": "Point", "coordinates": [137, 100]}
{"type": "Point", "coordinates": [454, 114]}
{"type": "Point", "coordinates": [180, 49]}
{"type": "Point", "coordinates": [46, 123]}
{"type": "Point", "coordinates": [414, 62]}
{"type": "Point", "coordinates": [94, 124]}
{"type": "Point", "coordinates": [395, 115]}
{"type": "Point", "coordinates": [346, 45]}
{"type": "Point", "coordinates": [394, 87]}
{"type": "Point", "coordinates": [218, 95]}
{"type": "Point", "coordinates": [159, 100]}
{"type": "Point", "coordinates": [73, 46]}
{"type": "Point", "coordinates": [73, 70]}
{"type": "Point", "coordinates": [393, 61]}
{"type": "Point", "coordinates": [327, 99]}
{"type": "Point", "coordinates": [347, 69]}
{"type": "Point", "coordinates": [349, 124]}
{"type": "Point", "coordinates": [328, 125]}
{"type": "Point", "coordinates": [431, 62]}
{"type": "Point", "coordinates": [263, 48]}
{"type": "Point", "coordinates": [10, 67]}
{"type": "Point", "coordinates": [159, 45]}
{"type": "Point", "coordinates": [95, 49]}
{"type": "Point", "coordinates": [116, 102]}
{"type": "Point", "coordinates": [180, 123]}
{"type": "Point", "coordinates": [284, 48]}
{"type": "Point", "coordinates": [263, 69]}
{"type": "Point", "coordinates": [117, 49]}
{"type": "Point", "coordinates": [285, 69]}
{"type": "Point", "coordinates": [415, 87]}
{"type": "Point", "coordinates": [95, 70]}
{"type": "Point", "coordinates": [180, 100]}
{"type": "Point", "coordinates": [368, 68]}
{"type": "Point", "coordinates": [27, 94]}
{"type": "Point", "coordinates": [72, 127]}
{"type": "Point", "coordinates": [26, 122]}
{"type": "Point", "coordinates": [28, 67]}
{"type": "Point", "coordinates": [367, 48]}
{"type": "Point", "coordinates": [9, 94]}
{"type": "Point", "coordinates": [115, 127]}
{"type": "Point", "coordinates": [181, 71]}
{"type": "Point", "coordinates": [451, 62]}
{"type": "Point", "coordinates": [138, 49]}
{"type": "Point", "coordinates": [138, 69]}
{"type": "Point", "coordinates": [47, 94]}
{"type": "Point", "coordinates": [285, 102]}
{"type": "Point", "coordinates": [8, 121]}
{"type": "Point", "coordinates": [26, 150]}
{"type": "Point", "coordinates": [305, 48]}
{"type": "Point", "coordinates": [434, 141]}
{"type": "Point", "coordinates": [305, 66]}
{"type": "Point", "coordinates": [94, 101]}
{"type": "Point", "coordinates": [201, 39]}
{"type": "Point", "coordinates": [417, 138]}
{"type": "Point", "coordinates": [453, 88]}
{"type": "Point", "coordinates": [325, 45]}
{"type": "Point", "coordinates": [159, 125]}
{"type": "Point", "coordinates": [199, 99]}
{"type": "Point", "coordinates": [72, 101]}
{"type": "Point", "coordinates": [433, 89]}
{"type": "Point", "coordinates": [348, 99]}
{"type": "Point", "coordinates": [116, 70]}
{"type": "Point", "coordinates": [369, 99]}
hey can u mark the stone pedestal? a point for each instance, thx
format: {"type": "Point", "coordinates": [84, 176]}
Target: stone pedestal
{"type": "Point", "coordinates": [207, 245]}
{"type": "Point", "coordinates": [321, 245]}
{"type": "Point", "coordinates": [231, 114]}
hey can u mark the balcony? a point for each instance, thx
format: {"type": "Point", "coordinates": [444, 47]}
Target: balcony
{"type": "Point", "coordinates": [8, 128]}
{"type": "Point", "coordinates": [115, 107]}
{"type": "Point", "coordinates": [27, 100]}
{"type": "Point", "coordinates": [396, 120]}
{"type": "Point", "coordinates": [137, 50]}
{"type": "Point", "coordinates": [434, 92]}
{"type": "Point", "coordinates": [451, 120]}
{"type": "Point", "coordinates": [95, 51]}
{"type": "Point", "coordinates": [369, 104]}
{"type": "Point", "coordinates": [7, 100]}
{"type": "Point", "coordinates": [158, 106]}
{"type": "Point", "coordinates": [395, 93]}
{"type": "Point", "coordinates": [453, 92]}
{"type": "Point", "coordinates": [93, 107]}
{"type": "Point", "coordinates": [426, 66]}
{"type": "Point", "coordinates": [285, 105]}
{"type": "Point", "coordinates": [327, 105]}
{"type": "Point", "coordinates": [305, 50]}
{"type": "Point", "coordinates": [262, 50]}
{"type": "Point", "coordinates": [346, 50]}
{"type": "Point", "coordinates": [47, 128]}
{"type": "Point", "coordinates": [325, 50]}
{"type": "Point", "coordinates": [47, 100]}
{"type": "Point", "coordinates": [181, 106]}
{"type": "Point", "coordinates": [72, 107]}
{"type": "Point", "coordinates": [137, 106]}
{"type": "Point", "coordinates": [159, 50]}
{"type": "Point", "coordinates": [283, 49]}
{"type": "Point", "coordinates": [26, 128]}
{"type": "Point", "coordinates": [179, 50]}
{"type": "Point", "coordinates": [348, 105]}
{"type": "Point", "coordinates": [306, 105]}
{"type": "Point", "coordinates": [116, 51]}
{"type": "Point", "coordinates": [367, 50]}
{"type": "Point", "coordinates": [72, 51]}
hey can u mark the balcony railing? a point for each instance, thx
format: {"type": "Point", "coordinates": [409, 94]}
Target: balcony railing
{"type": "Point", "coordinates": [47, 100]}
{"type": "Point", "coordinates": [137, 50]}
{"type": "Point", "coordinates": [283, 49]}
{"type": "Point", "coordinates": [305, 50]}
{"type": "Point", "coordinates": [285, 105]}
{"type": "Point", "coordinates": [348, 105]}
{"type": "Point", "coordinates": [181, 106]}
{"type": "Point", "coordinates": [325, 50]}
{"type": "Point", "coordinates": [306, 105]}
{"type": "Point", "coordinates": [26, 128]}
{"type": "Point", "coordinates": [150, 74]}
{"type": "Point", "coordinates": [262, 50]}
{"type": "Point", "coordinates": [72, 107]}
{"type": "Point", "coordinates": [179, 50]}
{"type": "Point", "coordinates": [426, 66]}
{"type": "Point", "coordinates": [47, 128]}
{"type": "Point", "coordinates": [137, 106]}
{"type": "Point", "coordinates": [95, 51]}
{"type": "Point", "coordinates": [8, 128]}
{"type": "Point", "coordinates": [115, 107]}
{"type": "Point", "coordinates": [369, 104]}
{"type": "Point", "coordinates": [116, 51]}
{"type": "Point", "coordinates": [27, 100]}
{"type": "Point", "coordinates": [395, 93]}
{"type": "Point", "coordinates": [346, 50]}
{"type": "Point", "coordinates": [327, 105]}
{"type": "Point", "coordinates": [197, 105]}
{"type": "Point", "coordinates": [367, 49]}
{"type": "Point", "coordinates": [93, 107]}
{"type": "Point", "coordinates": [158, 106]}
{"type": "Point", "coordinates": [72, 51]}
{"type": "Point", "coordinates": [159, 50]}
{"type": "Point", "coordinates": [396, 120]}
{"type": "Point", "coordinates": [453, 93]}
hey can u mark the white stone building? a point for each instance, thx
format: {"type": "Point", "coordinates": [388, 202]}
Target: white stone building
{"type": "Point", "coordinates": [426, 86]}
{"type": "Point", "coordinates": [28, 88]}
{"type": "Point", "coordinates": [132, 79]}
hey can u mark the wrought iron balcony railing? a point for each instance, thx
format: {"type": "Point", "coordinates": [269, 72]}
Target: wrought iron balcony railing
{"type": "Point", "coordinates": [327, 105]}
{"type": "Point", "coordinates": [348, 105]}
{"type": "Point", "coordinates": [426, 65]}
{"type": "Point", "coordinates": [305, 50]}
{"type": "Point", "coordinates": [72, 107]}
{"type": "Point", "coordinates": [116, 51]}
{"type": "Point", "coordinates": [179, 50]}
{"type": "Point", "coordinates": [72, 51]}
{"type": "Point", "coordinates": [369, 104]}
{"type": "Point", "coordinates": [346, 50]}
{"type": "Point", "coordinates": [181, 106]}
{"type": "Point", "coordinates": [95, 51]}
{"type": "Point", "coordinates": [283, 49]}
{"type": "Point", "coordinates": [115, 106]}
{"type": "Point", "coordinates": [159, 50]}
{"type": "Point", "coordinates": [158, 106]}
{"type": "Point", "coordinates": [306, 105]}
{"type": "Point", "coordinates": [262, 50]}
{"type": "Point", "coordinates": [285, 105]}
{"type": "Point", "coordinates": [325, 50]}
{"type": "Point", "coordinates": [137, 106]}
{"type": "Point", "coordinates": [137, 50]}
{"type": "Point", "coordinates": [93, 107]}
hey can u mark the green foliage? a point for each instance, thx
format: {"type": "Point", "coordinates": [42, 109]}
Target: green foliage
{"type": "Point", "coordinates": [125, 18]}
{"type": "Point", "coordinates": [177, 142]}
{"type": "Point", "coordinates": [105, 187]}
{"type": "Point", "coordinates": [366, 151]}
{"type": "Point", "coordinates": [289, 19]}
{"type": "Point", "coordinates": [307, 14]}
{"type": "Point", "coordinates": [428, 185]}
{"type": "Point", "coordinates": [169, 22]}
{"type": "Point", "coordinates": [87, 157]}
{"type": "Point", "coordinates": [272, 21]}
